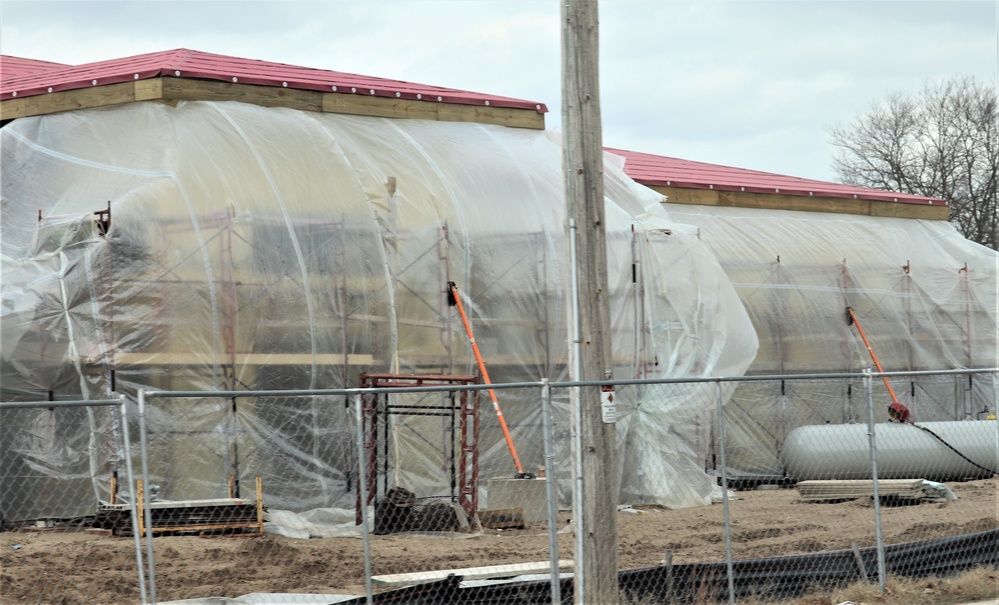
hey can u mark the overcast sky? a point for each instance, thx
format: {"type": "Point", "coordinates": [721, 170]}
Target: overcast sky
{"type": "Point", "coordinates": [753, 84]}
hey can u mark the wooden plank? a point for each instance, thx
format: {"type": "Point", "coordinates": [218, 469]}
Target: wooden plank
{"type": "Point", "coordinates": [800, 203]}
{"type": "Point", "coordinates": [431, 110]}
{"type": "Point", "coordinates": [212, 527]}
{"type": "Point", "coordinates": [500, 116]}
{"type": "Point", "coordinates": [502, 518]}
{"type": "Point", "coordinates": [220, 503]}
{"type": "Point", "coordinates": [149, 90]}
{"type": "Point", "coordinates": [84, 98]}
{"type": "Point", "coordinates": [922, 211]}
{"type": "Point", "coordinates": [379, 107]}
{"type": "Point", "coordinates": [253, 359]}
{"type": "Point", "coordinates": [468, 573]}
{"type": "Point", "coordinates": [532, 324]}
{"type": "Point", "coordinates": [860, 488]}
{"type": "Point", "coordinates": [173, 90]}
{"type": "Point", "coordinates": [181, 516]}
{"type": "Point", "coordinates": [184, 89]}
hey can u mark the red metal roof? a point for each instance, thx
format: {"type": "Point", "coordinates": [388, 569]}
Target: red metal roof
{"type": "Point", "coordinates": [657, 170]}
{"type": "Point", "coordinates": [184, 63]}
{"type": "Point", "coordinates": [15, 67]}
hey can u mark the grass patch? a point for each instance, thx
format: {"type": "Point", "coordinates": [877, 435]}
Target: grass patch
{"type": "Point", "coordinates": [975, 585]}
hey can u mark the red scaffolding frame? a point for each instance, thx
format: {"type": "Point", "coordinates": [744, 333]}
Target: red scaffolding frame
{"type": "Point", "coordinates": [375, 411]}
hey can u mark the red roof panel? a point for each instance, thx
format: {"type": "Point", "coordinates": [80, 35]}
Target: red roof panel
{"type": "Point", "coordinates": [662, 171]}
{"type": "Point", "coordinates": [13, 67]}
{"type": "Point", "coordinates": [184, 63]}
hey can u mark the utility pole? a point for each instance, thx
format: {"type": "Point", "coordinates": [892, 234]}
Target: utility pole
{"type": "Point", "coordinates": [595, 498]}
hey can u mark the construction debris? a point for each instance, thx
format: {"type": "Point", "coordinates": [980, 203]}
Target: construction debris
{"type": "Point", "coordinates": [912, 489]}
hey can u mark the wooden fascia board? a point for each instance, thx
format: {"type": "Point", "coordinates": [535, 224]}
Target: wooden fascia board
{"type": "Point", "coordinates": [83, 98]}
{"type": "Point", "coordinates": [184, 89]}
{"type": "Point", "coordinates": [767, 201]}
{"type": "Point", "coordinates": [172, 90]}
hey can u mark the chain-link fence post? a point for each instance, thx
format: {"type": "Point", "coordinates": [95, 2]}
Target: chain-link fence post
{"type": "Point", "coordinates": [132, 508]}
{"type": "Point", "coordinates": [362, 488]}
{"type": "Point", "coordinates": [551, 490]}
{"type": "Point", "coordinates": [872, 438]}
{"type": "Point", "coordinates": [147, 510]}
{"type": "Point", "coordinates": [724, 477]}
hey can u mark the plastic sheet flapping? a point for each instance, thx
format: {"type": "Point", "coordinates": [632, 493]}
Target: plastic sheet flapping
{"type": "Point", "coordinates": [262, 248]}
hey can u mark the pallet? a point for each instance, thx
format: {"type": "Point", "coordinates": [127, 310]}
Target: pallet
{"type": "Point", "coordinates": [861, 488]}
{"type": "Point", "coordinates": [232, 515]}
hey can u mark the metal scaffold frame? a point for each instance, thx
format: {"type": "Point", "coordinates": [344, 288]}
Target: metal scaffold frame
{"type": "Point", "coordinates": [376, 410]}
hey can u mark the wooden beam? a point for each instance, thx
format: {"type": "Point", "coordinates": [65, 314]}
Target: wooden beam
{"type": "Point", "coordinates": [84, 98]}
{"type": "Point", "coordinates": [500, 116]}
{"type": "Point", "coordinates": [502, 518]}
{"type": "Point", "coordinates": [848, 489]}
{"type": "Point", "coordinates": [183, 89]}
{"type": "Point", "coordinates": [767, 201]}
{"type": "Point", "coordinates": [254, 359]}
{"type": "Point", "coordinates": [173, 90]}
{"type": "Point", "coordinates": [378, 107]}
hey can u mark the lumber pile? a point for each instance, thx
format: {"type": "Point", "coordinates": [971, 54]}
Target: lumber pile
{"type": "Point", "coordinates": [229, 515]}
{"type": "Point", "coordinates": [915, 489]}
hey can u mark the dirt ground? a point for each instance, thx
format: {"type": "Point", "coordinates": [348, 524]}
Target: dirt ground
{"type": "Point", "coordinates": [90, 566]}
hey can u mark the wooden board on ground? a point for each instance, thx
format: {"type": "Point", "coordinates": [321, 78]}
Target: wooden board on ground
{"type": "Point", "coordinates": [861, 488]}
{"type": "Point", "coordinates": [469, 573]}
{"type": "Point", "coordinates": [502, 518]}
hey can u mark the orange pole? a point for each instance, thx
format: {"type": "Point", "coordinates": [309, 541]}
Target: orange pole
{"type": "Point", "coordinates": [485, 376]}
{"type": "Point", "coordinates": [877, 364]}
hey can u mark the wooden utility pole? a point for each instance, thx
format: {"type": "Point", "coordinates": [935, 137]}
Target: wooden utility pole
{"type": "Point", "coordinates": [596, 498]}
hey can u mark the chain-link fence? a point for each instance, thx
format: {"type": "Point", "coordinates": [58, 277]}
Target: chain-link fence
{"type": "Point", "coordinates": [767, 487]}
{"type": "Point", "coordinates": [66, 475]}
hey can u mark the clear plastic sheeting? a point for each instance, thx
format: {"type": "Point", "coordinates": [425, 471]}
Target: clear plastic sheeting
{"type": "Point", "coordinates": [925, 297]}
{"type": "Point", "coordinates": [256, 248]}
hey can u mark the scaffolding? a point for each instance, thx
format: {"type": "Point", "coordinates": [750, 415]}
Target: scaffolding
{"type": "Point", "coordinates": [384, 415]}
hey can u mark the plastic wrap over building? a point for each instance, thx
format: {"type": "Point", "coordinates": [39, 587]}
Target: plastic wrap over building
{"type": "Point", "coordinates": [799, 252]}
{"type": "Point", "coordinates": [176, 240]}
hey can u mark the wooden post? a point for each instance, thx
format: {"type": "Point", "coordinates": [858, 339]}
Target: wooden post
{"type": "Point", "coordinates": [260, 505]}
{"type": "Point", "coordinates": [595, 579]}
{"type": "Point", "coordinates": [140, 505]}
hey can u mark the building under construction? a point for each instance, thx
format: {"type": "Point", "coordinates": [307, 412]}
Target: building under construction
{"type": "Point", "coordinates": [189, 221]}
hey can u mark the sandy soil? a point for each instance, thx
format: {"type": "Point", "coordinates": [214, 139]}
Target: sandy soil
{"type": "Point", "coordinates": [87, 567]}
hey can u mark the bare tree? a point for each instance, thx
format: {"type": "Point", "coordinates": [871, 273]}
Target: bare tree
{"type": "Point", "coordinates": [942, 142]}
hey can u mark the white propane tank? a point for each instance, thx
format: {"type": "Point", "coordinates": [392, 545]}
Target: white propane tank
{"type": "Point", "coordinates": [904, 451]}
